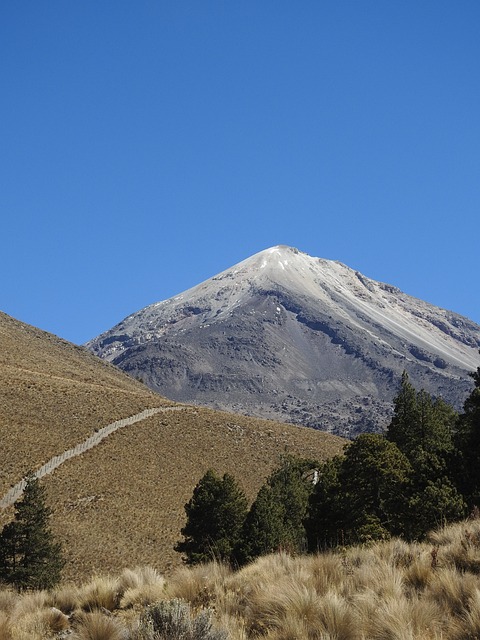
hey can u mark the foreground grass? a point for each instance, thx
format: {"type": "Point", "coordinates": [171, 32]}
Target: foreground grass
{"type": "Point", "coordinates": [391, 590]}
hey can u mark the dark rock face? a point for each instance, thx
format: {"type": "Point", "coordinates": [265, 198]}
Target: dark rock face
{"type": "Point", "coordinates": [283, 335]}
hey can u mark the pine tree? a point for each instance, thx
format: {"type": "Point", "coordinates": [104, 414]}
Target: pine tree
{"type": "Point", "coordinates": [374, 477]}
{"type": "Point", "coordinates": [29, 556]}
{"type": "Point", "coordinates": [324, 524]}
{"type": "Point", "coordinates": [467, 442]}
{"type": "Point", "coordinates": [423, 429]}
{"type": "Point", "coordinates": [292, 492]}
{"type": "Point", "coordinates": [359, 497]}
{"type": "Point", "coordinates": [403, 429]}
{"type": "Point", "coordinates": [422, 425]}
{"type": "Point", "coordinates": [262, 531]}
{"type": "Point", "coordinates": [215, 515]}
{"type": "Point", "coordinates": [276, 518]}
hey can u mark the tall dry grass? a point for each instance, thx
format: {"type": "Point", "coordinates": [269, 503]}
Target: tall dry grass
{"type": "Point", "coordinates": [387, 591]}
{"type": "Point", "coordinates": [140, 586]}
{"type": "Point", "coordinates": [97, 626]}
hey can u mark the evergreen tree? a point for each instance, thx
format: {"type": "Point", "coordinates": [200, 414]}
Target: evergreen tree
{"type": "Point", "coordinates": [324, 525]}
{"type": "Point", "coordinates": [403, 429]}
{"type": "Point", "coordinates": [430, 505]}
{"type": "Point", "coordinates": [29, 556]}
{"type": "Point", "coordinates": [275, 519]}
{"type": "Point", "coordinates": [291, 491]}
{"type": "Point", "coordinates": [421, 425]}
{"type": "Point", "coordinates": [423, 429]}
{"type": "Point", "coordinates": [262, 531]}
{"type": "Point", "coordinates": [215, 515]}
{"type": "Point", "coordinates": [467, 442]}
{"type": "Point", "coordinates": [374, 477]}
{"type": "Point", "coordinates": [398, 485]}
{"type": "Point", "coordinates": [359, 497]}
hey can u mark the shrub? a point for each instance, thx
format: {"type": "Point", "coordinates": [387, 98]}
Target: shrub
{"type": "Point", "coordinates": [173, 620]}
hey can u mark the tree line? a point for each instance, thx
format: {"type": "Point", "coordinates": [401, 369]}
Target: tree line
{"type": "Point", "coordinates": [422, 472]}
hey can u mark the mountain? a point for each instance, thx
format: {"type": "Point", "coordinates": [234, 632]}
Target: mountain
{"type": "Point", "coordinates": [288, 336]}
{"type": "Point", "coordinates": [118, 476]}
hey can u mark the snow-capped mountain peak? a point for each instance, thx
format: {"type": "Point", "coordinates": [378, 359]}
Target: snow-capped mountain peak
{"type": "Point", "coordinates": [283, 334]}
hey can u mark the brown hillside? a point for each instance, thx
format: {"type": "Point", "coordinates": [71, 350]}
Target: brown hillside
{"type": "Point", "coordinates": [121, 503]}
{"type": "Point", "coordinates": [53, 395]}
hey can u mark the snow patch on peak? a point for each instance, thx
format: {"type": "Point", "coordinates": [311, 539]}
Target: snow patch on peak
{"type": "Point", "coordinates": [329, 285]}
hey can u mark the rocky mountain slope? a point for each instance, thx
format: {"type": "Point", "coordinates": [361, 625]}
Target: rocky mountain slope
{"type": "Point", "coordinates": [118, 490]}
{"type": "Point", "coordinates": [287, 336]}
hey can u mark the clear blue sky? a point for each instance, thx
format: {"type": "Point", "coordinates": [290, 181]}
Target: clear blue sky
{"type": "Point", "coordinates": [148, 145]}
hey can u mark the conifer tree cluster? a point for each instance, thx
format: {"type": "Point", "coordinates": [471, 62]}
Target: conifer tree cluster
{"type": "Point", "coordinates": [401, 483]}
{"type": "Point", "coordinates": [219, 526]}
{"type": "Point", "coordinates": [423, 472]}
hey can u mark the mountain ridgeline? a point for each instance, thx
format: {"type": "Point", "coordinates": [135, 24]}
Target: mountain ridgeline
{"type": "Point", "coordinates": [287, 336]}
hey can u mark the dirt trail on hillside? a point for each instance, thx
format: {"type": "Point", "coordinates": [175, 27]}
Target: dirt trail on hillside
{"type": "Point", "coordinates": [16, 491]}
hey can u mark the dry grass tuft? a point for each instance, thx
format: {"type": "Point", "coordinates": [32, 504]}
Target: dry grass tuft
{"type": "Point", "coordinates": [234, 626]}
{"type": "Point", "coordinates": [198, 585]}
{"type": "Point", "coordinates": [327, 572]}
{"type": "Point", "coordinates": [97, 626]}
{"type": "Point", "coordinates": [338, 620]}
{"type": "Point", "coordinates": [270, 606]}
{"type": "Point", "coordinates": [102, 592]}
{"type": "Point", "coordinates": [31, 626]}
{"type": "Point", "coordinates": [140, 586]}
{"type": "Point", "coordinates": [293, 629]}
{"type": "Point", "coordinates": [404, 619]}
{"type": "Point", "coordinates": [7, 599]}
{"type": "Point", "coordinates": [385, 580]}
{"type": "Point", "coordinates": [66, 598]}
{"type": "Point", "coordinates": [419, 574]}
{"type": "Point", "coordinates": [55, 620]}
{"type": "Point", "coordinates": [452, 590]}
{"type": "Point", "coordinates": [29, 602]}
{"type": "Point", "coordinates": [396, 552]}
{"type": "Point", "coordinates": [467, 626]}
{"type": "Point", "coordinates": [5, 630]}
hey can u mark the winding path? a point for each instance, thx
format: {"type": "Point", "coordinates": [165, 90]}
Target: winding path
{"type": "Point", "coordinates": [16, 491]}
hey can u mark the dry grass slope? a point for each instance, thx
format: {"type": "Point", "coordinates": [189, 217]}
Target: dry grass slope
{"type": "Point", "coordinates": [122, 501]}
{"type": "Point", "coordinates": [54, 395]}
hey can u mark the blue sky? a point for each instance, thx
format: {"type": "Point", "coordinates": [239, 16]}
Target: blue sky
{"type": "Point", "coordinates": [146, 146]}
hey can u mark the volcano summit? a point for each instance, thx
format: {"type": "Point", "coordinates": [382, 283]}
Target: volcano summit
{"type": "Point", "coordinates": [287, 336]}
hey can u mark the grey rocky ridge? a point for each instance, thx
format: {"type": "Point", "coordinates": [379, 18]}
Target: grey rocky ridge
{"type": "Point", "coordinates": [288, 336]}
